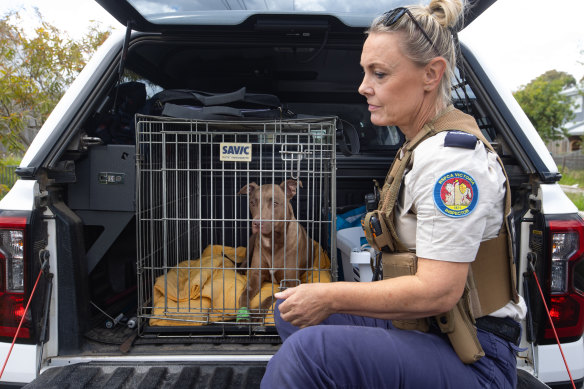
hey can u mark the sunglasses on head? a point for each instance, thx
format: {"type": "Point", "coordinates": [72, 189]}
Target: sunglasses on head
{"type": "Point", "coordinates": [391, 17]}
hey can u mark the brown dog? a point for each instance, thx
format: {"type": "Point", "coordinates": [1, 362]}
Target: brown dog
{"type": "Point", "coordinates": [279, 244]}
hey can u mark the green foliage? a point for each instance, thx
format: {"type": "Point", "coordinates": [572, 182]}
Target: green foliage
{"type": "Point", "coordinates": [10, 160]}
{"type": "Point", "coordinates": [7, 180]}
{"type": "Point", "coordinates": [3, 190]}
{"type": "Point", "coordinates": [577, 199]}
{"type": "Point", "coordinates": [546, 108]}
{"type": "Point", "coordinates": [572, 177]}
{"type": "Point", "coordinates": [35, 71]}
{"type": "Point", "coordinates": [553, 75]}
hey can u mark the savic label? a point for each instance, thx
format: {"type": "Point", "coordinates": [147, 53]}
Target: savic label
{"type": "Point", "coordinates": [456, 194]}
{"type": "Point", "coordinates": [235, 152]}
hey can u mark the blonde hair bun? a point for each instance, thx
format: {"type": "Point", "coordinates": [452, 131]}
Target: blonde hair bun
{"type": "Point", "coordinates": [446, 12]}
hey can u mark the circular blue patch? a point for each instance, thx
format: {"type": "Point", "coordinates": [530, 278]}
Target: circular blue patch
{"type": "Point", "coordinates": [456, 194]}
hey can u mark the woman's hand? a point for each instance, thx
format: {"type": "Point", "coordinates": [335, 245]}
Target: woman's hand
{"type": "Point", "coordinates": [305, 305]}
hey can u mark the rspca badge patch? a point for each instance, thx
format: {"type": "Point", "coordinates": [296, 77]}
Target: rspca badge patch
{"type": "Point", "coordinates": [456, 194]}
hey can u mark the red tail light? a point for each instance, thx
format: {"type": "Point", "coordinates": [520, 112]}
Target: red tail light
{"type": "Point", "coordinates": [13, 277]}
{"type": "Point", "coordinates": [566, 284]}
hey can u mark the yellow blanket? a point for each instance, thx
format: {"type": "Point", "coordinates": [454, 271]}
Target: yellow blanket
{"type": "Point", "coordinates": [207, 289]}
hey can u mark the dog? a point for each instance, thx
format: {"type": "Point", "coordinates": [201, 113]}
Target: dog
{"type": "Point", "coordinates": [279, 244]}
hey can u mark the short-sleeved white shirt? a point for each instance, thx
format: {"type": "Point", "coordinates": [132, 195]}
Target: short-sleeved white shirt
{"type": "Point", "coordinates": [422, 218]}
{"type": "Point", "coordinates": [420, 221]}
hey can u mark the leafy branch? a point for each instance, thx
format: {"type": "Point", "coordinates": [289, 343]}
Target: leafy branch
{"type": "Point", "coordinates": [35, 72]}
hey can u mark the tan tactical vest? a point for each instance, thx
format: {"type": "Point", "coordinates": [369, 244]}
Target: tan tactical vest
{"type": "Point", "coordinates": [491, 281]}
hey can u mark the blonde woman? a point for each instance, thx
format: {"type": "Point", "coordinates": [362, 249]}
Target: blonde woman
{"type": "Point", "coordinates": [344, 334]}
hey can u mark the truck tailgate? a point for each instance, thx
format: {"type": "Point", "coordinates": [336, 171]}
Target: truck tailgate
{"type": "Point", "coordinates": [176, 375]}
{"type": "Point", "coordinates": [151, 375]}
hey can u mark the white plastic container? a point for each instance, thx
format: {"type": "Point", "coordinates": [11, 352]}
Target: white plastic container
{"type": "Point", "coordinates": [361, 261]}
{"type": "Point", "coordinates": [356, 263]}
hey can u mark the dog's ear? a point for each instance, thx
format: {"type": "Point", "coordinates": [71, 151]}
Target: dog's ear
{"type": "Point", "coordinates": [289, 186]}
{"type": "Point", "coordinates": [248, 188]}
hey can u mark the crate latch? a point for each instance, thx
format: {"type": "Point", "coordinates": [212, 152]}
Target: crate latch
{"type": "Point", "coordinates": [293, 156]}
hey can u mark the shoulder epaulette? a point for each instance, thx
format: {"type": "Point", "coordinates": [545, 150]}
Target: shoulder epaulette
{"type": "Point", "coordinates": [460, 139]}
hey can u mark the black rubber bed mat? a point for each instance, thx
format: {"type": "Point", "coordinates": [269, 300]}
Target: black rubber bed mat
{"type": "Point", "coordinates": [151, 376]}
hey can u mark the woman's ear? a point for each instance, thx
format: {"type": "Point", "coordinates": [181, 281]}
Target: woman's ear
{"type": "Point", "coordinates": [433, 72]}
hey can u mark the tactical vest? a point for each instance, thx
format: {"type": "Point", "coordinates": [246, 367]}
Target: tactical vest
{"type": "Point", "coordinates": [491, 280]}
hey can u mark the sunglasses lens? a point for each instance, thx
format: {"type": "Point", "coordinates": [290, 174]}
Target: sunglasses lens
{"type": "Point", "coordinates": [393, 16]}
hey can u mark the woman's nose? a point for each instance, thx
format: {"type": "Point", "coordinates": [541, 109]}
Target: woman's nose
{"type": "Point", "coordinates": [364, 89]}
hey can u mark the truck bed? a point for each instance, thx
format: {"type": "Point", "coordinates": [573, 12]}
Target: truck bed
{"type": "Point", "coordinates": [163, 375]}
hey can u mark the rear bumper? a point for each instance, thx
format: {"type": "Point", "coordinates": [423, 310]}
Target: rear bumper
{"type": "Point", "coordinates": [21, 366]}
{"type": "Point", "coordinates": [550, 364]}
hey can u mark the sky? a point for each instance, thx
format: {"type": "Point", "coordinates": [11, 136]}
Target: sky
{"type": "Point", "coordinates": [522, 39]}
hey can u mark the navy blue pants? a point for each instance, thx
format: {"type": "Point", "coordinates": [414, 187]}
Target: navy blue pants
{"type": "Point", "coordinates": [347, 351]}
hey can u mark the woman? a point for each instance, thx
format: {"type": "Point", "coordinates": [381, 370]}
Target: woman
{"type": "Point", "coordinates": [341, 334]}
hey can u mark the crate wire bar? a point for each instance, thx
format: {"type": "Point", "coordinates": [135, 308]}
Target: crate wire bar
{"type": "Point", "coordinates": [188, 211]}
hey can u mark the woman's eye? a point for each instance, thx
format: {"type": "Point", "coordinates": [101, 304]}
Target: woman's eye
{"type": "Point", "coordinates": [379, 74]}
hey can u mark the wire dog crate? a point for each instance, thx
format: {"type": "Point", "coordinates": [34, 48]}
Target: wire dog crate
{"type": "Point", "coordinates": [194, 223]}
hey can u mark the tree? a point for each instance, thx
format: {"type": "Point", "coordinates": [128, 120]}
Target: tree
{"type": "Point", "coordinates": [34, 74]}
{"type": "Point", "coordinates": [547, 109]}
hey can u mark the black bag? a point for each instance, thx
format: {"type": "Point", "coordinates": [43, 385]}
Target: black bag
{"type": "Point", "coordinates": [114, 124]}
{"type": "Point", "coordinates": [237, 105]}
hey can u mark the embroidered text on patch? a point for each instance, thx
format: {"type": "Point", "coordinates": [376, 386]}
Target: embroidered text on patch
{"type": "Point", "coordinates": [456, 194]}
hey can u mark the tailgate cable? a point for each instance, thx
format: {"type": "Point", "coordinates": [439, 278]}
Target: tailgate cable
{"type": "Point", "coordinates": [44, 267]}
{"type": "Point", "coordinates": [532, 268]}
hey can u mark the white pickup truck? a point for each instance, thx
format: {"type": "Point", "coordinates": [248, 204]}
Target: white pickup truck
{"type": "Point", "coordinates": [84, 219]}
